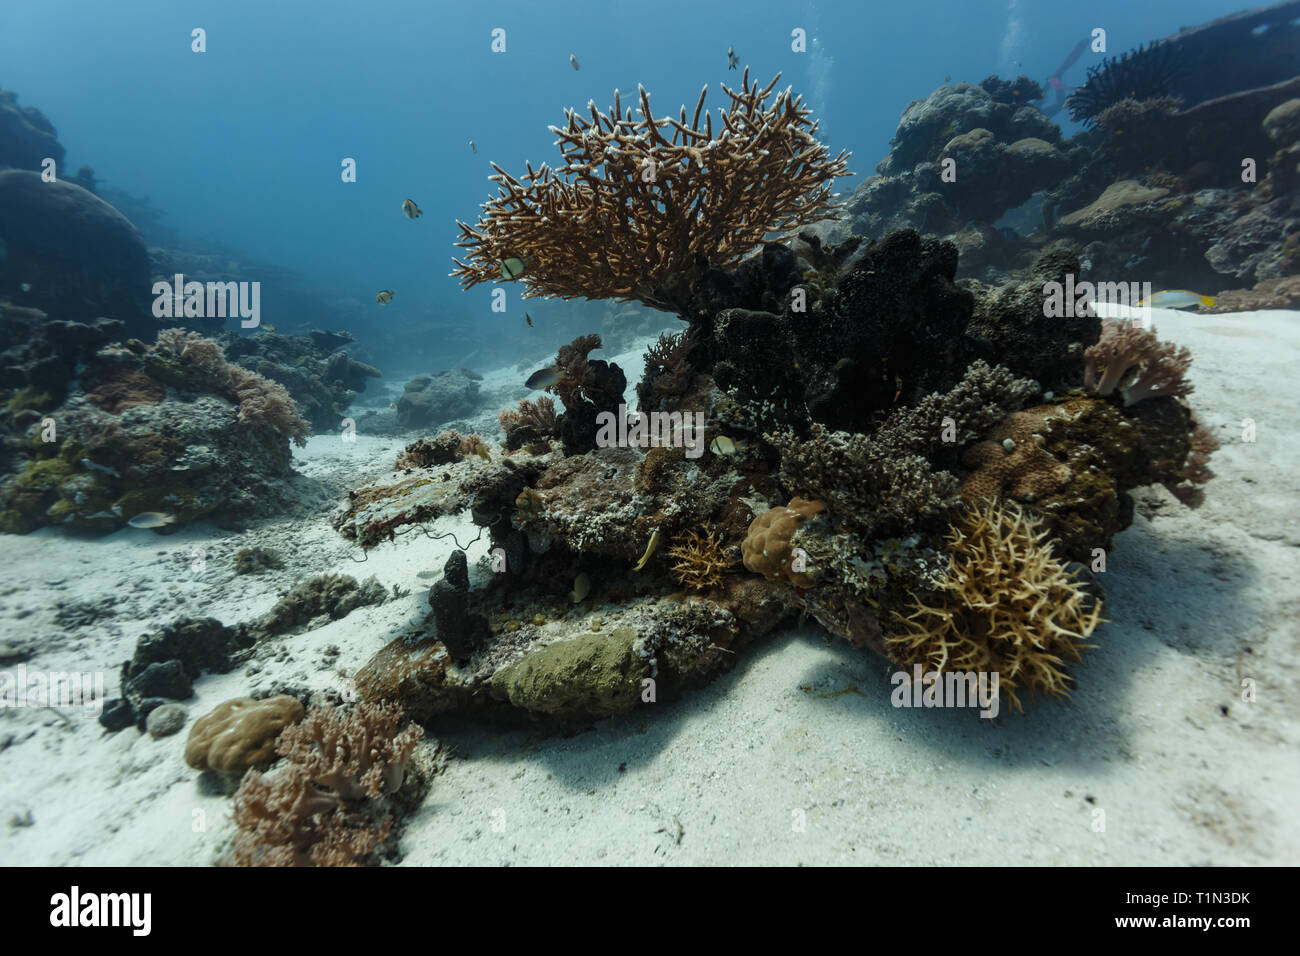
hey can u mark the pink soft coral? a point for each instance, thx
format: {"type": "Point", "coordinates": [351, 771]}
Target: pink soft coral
{"type": "Point", "coordinates": [329, 806]}
{"type": "Point", "coordinates": [1133, 361]}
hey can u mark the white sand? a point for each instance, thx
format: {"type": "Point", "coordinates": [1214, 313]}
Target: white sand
{"type": "Point", "coordinates": [801, 728]}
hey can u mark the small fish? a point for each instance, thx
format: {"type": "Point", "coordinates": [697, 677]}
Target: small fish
{"type": "Point", "coordinates": [427, 575]}
{"type": "Point", "coordinates": [529, 319]}
{"type": "Point", "coordinates": [411, 209]}
{"type": "Point", "coordinates": [573, 62]}
{"type": "Point", "coordinates": [581, 588]}
{"type": "Point", "coordinates": [151, 519]}
{"type": "Point", "coordinates": [722, 445]}
{"type": "Point", "coordinates": [732, 59]}
{"type": "Point", "coordinates": [948, 78]}
{"type": "Point", "coordinates": [482, 452]}
{"type": "Point", "coordinates": [384, 297]}
{"type": "Point", "coordinates": [511, 268]}
{"type": "Point", "coordinates": [392, 405]}
{"type": "Point", "coordinates": [1177, 299]}
{"type": "Point", "coordinates": [266, 327]}
{"type": "Point", "coordinates": [25, 286]}
{"type": "Point", "coordinates": [545, 377]}
{"type": "Point", "coordinates": [649, 550]}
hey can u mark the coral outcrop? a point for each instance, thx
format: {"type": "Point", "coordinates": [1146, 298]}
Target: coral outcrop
{"type": "Point", "coordinates": [436, 399]}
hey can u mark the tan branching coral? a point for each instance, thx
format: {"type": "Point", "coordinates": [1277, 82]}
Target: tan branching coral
{"type": "Point", "coordinates": [637, 215]}
{"type": "Point", "coordinates": [1007, 605]}
{"type": "Point", "coordinates": [1013, 462]}
{"type": "Point", "coordinates": [260, 400]}
{"type": "Point", "coordinates": [1133, 361]}
{"type": "Point", "coordinates": [768, 549]}
{"type": "Point", "coordinates": [699, 559]}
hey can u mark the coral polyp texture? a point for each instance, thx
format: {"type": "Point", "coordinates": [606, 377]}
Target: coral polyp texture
{"type": "Point", "coordinates": [1006, 605]}
{"type": "Point", "coordinates": [634, 214]}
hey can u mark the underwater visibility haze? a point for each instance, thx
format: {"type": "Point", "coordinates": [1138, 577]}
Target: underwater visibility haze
{"type": "Point", "coordinates": [760, 430]}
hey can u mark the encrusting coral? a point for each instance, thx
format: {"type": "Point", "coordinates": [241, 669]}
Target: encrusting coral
{"type": "Point", "coordinates": [1131, 360]}
{"type": "Point", "coordinates": [633, 215]}
{"type": "Point", "coordinates": [1007, 605]}
{"type": "Point", "coordinates": [1013, 461]}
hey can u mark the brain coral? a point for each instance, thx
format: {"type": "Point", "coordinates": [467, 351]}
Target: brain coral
{"type": "Point", "coordinates": [1006, 606]}
{"type": "Point", "coordinates": [240, 733]}
{"type": "Point", "coordinates": [767, 549]}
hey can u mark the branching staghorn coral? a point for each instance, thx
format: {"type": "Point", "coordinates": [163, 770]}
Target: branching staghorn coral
{"type": "Point", "coordinates": [700, 559]}
{"type": "Point", "coordinates": [260, 400]}
{"type": "Point", "coordinates": [1007, 605]}
{"type": "Point", "coordinates": [635, 215]}
{"type": "Point", "coordinates": [1133, 361]}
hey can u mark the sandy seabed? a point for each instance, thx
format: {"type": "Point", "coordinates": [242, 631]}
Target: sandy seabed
{"type": "Point", "coordinates": [794, 756]}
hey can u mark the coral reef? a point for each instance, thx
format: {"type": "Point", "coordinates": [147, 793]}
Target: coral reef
{"type": "Point", "coordinates": [321, 378]}
{"type": "Point", "coordinates": [173, 428]}
{"type": "Point", "coordinates": [1006, 606]}
{"type": "Point", "coordinates": [330, 805]}
{"type": "Point", "coordinates": [1147, 73]}
{"type": "Point", "coordinates": [201, 364]}
{"type": "Point", "coordinates": [627, 235]}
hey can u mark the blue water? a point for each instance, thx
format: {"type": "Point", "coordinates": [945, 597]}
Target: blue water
{"type": "Point", "coordinates": [242, 144]}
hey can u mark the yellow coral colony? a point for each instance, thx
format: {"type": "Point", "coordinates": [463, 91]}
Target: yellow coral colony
{"type": "Point", "coordinates": [631, 214]}
{"type": "Point", "coordinates": [1005, 606]}
{"type": "Point", "coordinates": [700, 559]}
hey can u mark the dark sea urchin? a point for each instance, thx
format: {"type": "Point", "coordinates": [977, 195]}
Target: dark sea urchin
{"type": "Point", "coordinates": [1141, 74]}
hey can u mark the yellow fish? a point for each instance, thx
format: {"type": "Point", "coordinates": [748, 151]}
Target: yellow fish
{"type": "Point", "coordinates": [722, 445]}
{"type": "Point", "coordinates": [1177, 299]}
{"type": "Point", "coordinates": [482, 452]}
{"type": "Point", "coordinates": [649, 550]}
{"type": "Point", "coordinates": [545, 377]}
{"type": "Point", "coordinates": [581, 588]}
{"type": "Point", "coordinates": [384, 297]}
{"type": "Point", "coordinates": [411, 209]}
